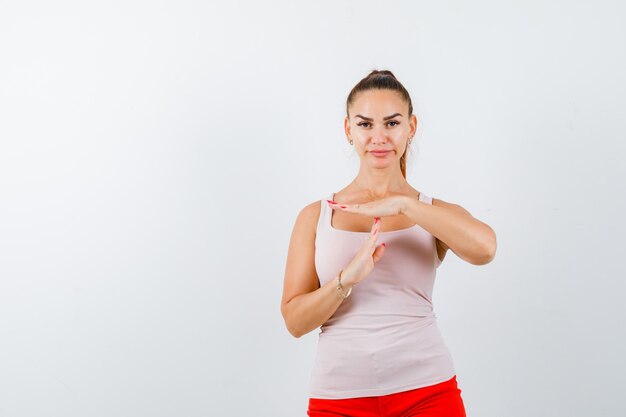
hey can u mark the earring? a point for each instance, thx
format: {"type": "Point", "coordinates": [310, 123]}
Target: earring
{"type": "Point", "coordinates": [350, 141]}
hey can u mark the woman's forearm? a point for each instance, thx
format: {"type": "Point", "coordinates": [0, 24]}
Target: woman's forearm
{"type": "Point", "coordinates": [306, 312]}
{"type": "Point", "coordinates": [469, 238]}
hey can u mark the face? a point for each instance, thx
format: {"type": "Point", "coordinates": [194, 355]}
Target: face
{"type": "Point", "coordinates": [379, 121]}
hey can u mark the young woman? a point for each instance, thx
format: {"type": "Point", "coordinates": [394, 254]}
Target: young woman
{"type": "Point", "coordinates": [362, 264]}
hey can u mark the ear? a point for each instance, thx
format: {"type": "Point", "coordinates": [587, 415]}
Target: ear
{"type": "Point", "coordinates": [346, 126]}
{"type": "Point", "coordinates": [413, 125]}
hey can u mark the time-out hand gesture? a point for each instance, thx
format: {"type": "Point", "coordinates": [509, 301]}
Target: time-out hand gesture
{"type": "Point", "coordinates": [388, 206]}
{"type": "Point", "coordinates": [364, 260]}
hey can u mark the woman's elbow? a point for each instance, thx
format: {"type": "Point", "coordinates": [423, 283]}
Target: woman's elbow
{"type": "Point", "coordinates": [489, 250]}
{"type": "Point", "coordinates": [289, 323]}
{"type": "Point", "coordinates": [293, 330]}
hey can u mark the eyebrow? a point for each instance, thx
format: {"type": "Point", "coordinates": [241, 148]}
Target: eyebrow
{"type": "Point", "coordinates": [384, 118]}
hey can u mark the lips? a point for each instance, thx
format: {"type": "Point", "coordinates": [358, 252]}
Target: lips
{"type": "Point", "coordinates": [380, 152]}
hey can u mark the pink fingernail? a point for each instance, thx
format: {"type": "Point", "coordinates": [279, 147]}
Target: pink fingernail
{"type": "Point", "coordinates": [384, 245]}
{"type": "Point", "coordinates": [376, 220]}
{"type": "Point", "coordinates": [331, 201]}
{"type": "Point", "coordinates": [343, 206]}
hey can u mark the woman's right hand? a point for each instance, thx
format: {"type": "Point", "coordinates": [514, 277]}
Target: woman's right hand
{"type": "Point", "coordinates": [363, 262]}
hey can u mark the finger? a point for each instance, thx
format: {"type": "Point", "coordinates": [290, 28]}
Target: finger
{"type": "Point", "coordinates": [375, 229]}
{"type": "Point", "coordinates": [336, 205]}
{"type": "Point", "coordinates": [379, 252]}
{"type": "Point", "coordinates": [373, 235]}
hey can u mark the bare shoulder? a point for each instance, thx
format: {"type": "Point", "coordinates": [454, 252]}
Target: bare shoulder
{"type": "Point", "coordinates": [305, 226]}
{"type": "Point", "coordinates": [300, 273]}
{"type": "Point", "coordinates": [310, 213]}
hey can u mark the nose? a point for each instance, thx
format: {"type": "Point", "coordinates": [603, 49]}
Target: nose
{"type": "Point", "coordinates": [379, 135]}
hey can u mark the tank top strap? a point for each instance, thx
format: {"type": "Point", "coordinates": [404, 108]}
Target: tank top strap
{"type": "Point", "coordinates": [325, 211]}
{"type": "Point", "coordinates": [425, 198]}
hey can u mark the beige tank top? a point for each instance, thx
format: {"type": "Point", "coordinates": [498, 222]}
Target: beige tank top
{"type": "Point", "coordinates": [384, 337]}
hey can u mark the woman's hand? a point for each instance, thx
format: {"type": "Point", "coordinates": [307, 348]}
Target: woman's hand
{"type": "Point", "coordinates": [388, 206]}
{"type": "Point", "coordinates": [364, 260]}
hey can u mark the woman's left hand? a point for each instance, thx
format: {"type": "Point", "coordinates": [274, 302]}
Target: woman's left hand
{"type": "Point", "coordinates": [388, 206]}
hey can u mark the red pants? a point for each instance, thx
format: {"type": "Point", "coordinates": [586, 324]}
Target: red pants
{"type": "Point", "coordinates": [439, 400]}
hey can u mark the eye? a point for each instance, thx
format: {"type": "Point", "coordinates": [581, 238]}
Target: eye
{"type": "Point", "coordinates": [362, 123]}
{"type": "Point", "coordinates": [396, 123]}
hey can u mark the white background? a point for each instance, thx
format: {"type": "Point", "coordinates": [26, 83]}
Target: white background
{"type": "Point", "coordinates": [154, 157]}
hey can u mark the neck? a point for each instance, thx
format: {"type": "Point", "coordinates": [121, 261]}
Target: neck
{"type": "Point", "coordinates": [380, 183]}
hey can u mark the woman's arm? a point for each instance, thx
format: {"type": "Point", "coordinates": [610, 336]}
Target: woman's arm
{"type": "Point", "coordinates": [469, 238]}
{"type": "Point", "coordinates": [305, 305]}
{"type": "Point", "coordinates": [306, 312]}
